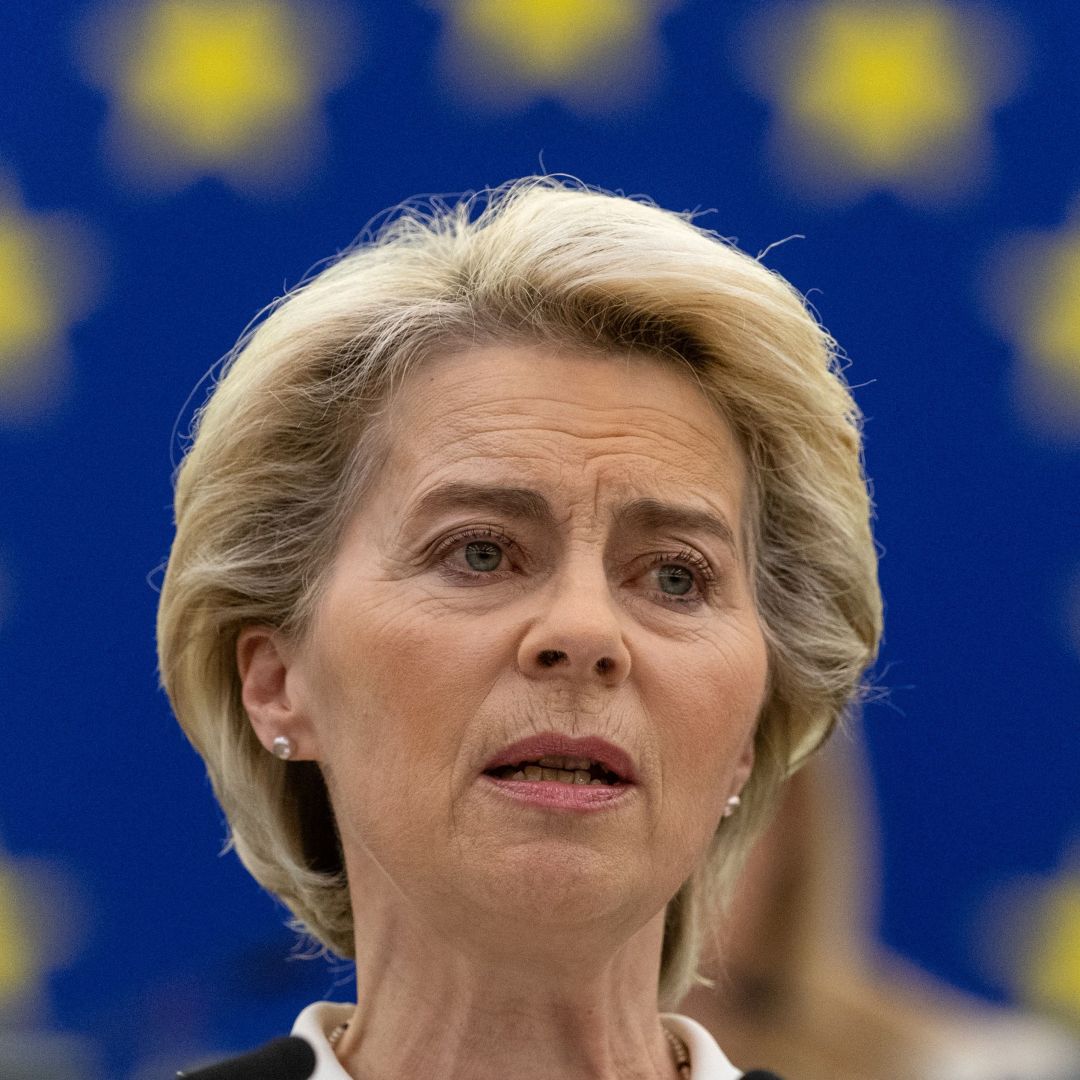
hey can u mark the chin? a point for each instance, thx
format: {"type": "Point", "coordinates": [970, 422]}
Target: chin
{"type": "Point", "coordinates": [561, 891]}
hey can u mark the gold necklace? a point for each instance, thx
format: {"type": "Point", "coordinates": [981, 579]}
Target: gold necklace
{"type": "Point", "coordinates": [678, 1048]}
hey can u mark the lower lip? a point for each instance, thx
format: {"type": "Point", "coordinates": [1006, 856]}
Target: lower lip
{"type": "Point", "coordinates": [555, 796]}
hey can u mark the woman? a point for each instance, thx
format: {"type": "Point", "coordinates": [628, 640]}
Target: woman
{"type": "Point", "coordinates": [521, 554]}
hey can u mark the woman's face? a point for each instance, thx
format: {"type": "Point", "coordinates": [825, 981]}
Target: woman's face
{"type": "Point", "coordinates": [555, 545]}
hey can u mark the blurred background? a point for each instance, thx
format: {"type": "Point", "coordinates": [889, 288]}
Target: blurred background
{"type": "Point", "coordinates": [167, 167]}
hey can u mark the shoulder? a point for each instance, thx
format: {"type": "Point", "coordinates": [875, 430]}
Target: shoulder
{"type": "Point", "coordinates": [290, 1058]}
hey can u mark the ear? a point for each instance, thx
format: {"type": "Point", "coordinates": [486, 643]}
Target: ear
{"type": "Point", "coordinates": [269, 689]}
{"type": "Point", "coordinates": [745, 765]}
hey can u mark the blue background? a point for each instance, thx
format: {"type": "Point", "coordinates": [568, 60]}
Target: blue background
{"type": "Point", "coordinates": [974, 754]}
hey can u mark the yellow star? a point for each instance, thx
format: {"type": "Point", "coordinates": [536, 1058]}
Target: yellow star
{"type": "Point", "coordinates": [1052, 977]}
{"type": "Point", "coordinates": [45, 262]}
{"type": "Point", "coordinates": [602, 48]}
{"type": "Point", "coordinates": [1033, 295]}
{"type": "Point", "coordinates": [18, 962]}
{"type": "Point", "coordinates": [216, 77]}
{"type": "Point", "coordinates": [1053, 333]}
{"type": "Point", "coordinates": [29, 308]}
{"type": "Point", "coordinates": [550, 40]}
{"type": "Point", "coordinates": [882, 92]}
{"type": "Point", "coordinates": [213, 86]}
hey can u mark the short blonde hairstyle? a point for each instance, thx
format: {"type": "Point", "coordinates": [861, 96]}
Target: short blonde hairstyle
{"type": "Point", "coordinates": [290, 436]}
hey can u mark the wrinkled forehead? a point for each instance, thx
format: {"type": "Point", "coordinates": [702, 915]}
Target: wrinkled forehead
{"type": "Point", "coordinates": [474, 396]}
{"type": "Point", "coordinates": [573, 425]}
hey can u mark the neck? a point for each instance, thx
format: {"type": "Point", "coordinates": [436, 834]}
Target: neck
{"type": "Point", "coordinates": [575, 1008]}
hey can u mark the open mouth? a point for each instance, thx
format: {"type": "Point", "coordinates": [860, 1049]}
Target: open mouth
{"type": "Point", "coordinates": [557, 769]}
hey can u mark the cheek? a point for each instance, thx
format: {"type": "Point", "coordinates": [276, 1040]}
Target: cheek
{"type": "Point", "coordinates": [404, 676]}
{"type": "Point", "coordinates": [712, 690]}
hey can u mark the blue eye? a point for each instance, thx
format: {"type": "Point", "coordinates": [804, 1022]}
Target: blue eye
{"type": "Point", "coordinates": [483, 556]}
{"type": "Point", "coordinates": [674, 580]}
{"type": "Point", "coordinates": [479, 555]}
{"type": "Point", "coordinates": [680, 579]}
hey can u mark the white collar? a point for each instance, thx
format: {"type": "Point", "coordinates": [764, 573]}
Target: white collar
{"type": "Point", "coordinates": [315, 1024]}
{"type": "Point", "coordinates": [707, 1060]}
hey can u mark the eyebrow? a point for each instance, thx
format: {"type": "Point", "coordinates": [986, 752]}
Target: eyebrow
{"type": "Point", "coordinates": [646, 515]}
{"type": "Point", "coordinates": [652, 515]}
{"type": "Point", "coordinates": [509, 502]}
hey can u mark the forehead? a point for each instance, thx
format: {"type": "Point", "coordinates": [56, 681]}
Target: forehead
{"type": "Point", "coordinates": [597, 403]}
{"type": "Point", "coordinates": [571, 422]}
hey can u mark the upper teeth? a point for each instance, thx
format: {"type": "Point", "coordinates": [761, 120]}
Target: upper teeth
{"type": "Point", "coordinates": [553, 761]}
{"type": "Point", "coordinates": [558, 767]}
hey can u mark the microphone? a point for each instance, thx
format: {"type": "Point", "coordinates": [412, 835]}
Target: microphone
{"type": "Point", "coordinates": [290, 1058]}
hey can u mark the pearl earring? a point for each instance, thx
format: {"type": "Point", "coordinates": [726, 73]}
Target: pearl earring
{"type": "Point", "coordinates": [282, 747]}
{"type": "Point", "coordinates": [733, 804]}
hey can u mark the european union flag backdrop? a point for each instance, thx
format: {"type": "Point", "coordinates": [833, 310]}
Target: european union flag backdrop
{"type": "Point", "coordinates": [167, 167]}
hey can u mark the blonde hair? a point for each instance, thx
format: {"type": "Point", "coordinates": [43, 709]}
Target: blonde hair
{"type": "Point", "coordinates": [289, 437]}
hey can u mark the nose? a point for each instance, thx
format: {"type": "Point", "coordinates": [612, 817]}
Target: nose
{"type": "Point", "coordinates": [576, 634]}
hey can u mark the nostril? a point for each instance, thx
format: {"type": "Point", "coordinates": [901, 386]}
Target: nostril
{"type": "Point", "coordinates": [604, 664]}
{"type": "Point", "coordinates": [550, 657]}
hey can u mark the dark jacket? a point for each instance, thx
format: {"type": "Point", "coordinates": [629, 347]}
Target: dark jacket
{"type": "Point", "coordinates": [290, 1058]}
